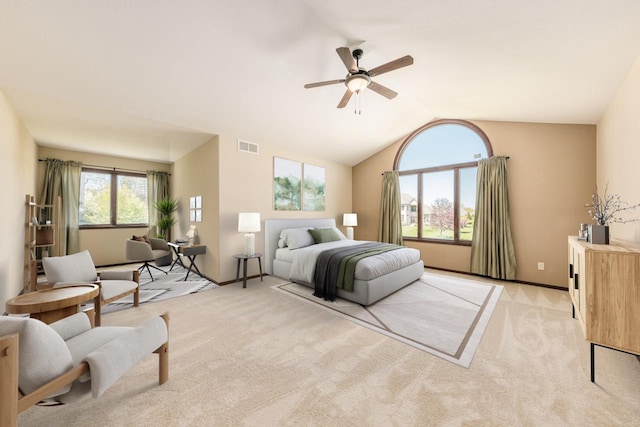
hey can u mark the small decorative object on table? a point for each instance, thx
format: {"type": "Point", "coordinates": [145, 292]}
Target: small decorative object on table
{"type": "Point", "coordinates": [606, 210]}
{"type": "Point", "coordinates": [583, 233]}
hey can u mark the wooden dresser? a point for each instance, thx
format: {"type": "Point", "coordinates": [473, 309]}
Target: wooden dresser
{"type": "Point", "coordinates": [604, 285]}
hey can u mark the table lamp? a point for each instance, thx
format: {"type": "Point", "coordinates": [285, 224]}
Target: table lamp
{"type": "Point", "coordinates": [249, 223]}
{"type": "Point", "coordinates": [350, 220]}
{"type": "Point", "coordinates": [192, 234]}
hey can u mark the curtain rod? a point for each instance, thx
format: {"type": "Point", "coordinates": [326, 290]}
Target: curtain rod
{"type": "Point", "coordinates": [507, 157]}
{"type": "Point", "coordinates": [109, 168]}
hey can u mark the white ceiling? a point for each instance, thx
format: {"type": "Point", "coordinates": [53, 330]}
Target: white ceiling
{"type": "Point", "coordinates": [152, 79]}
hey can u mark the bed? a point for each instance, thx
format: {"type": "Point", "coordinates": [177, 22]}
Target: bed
{"type": "Point", "coordinates": [375, 277]}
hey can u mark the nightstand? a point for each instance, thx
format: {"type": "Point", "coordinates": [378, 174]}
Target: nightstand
{"type": "Point", "coordinates": [244, 258]}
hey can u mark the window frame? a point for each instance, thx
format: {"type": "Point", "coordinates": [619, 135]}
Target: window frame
{"type": "Point", "coordinates": [456, 179]}
{"type": "Point", "coordinates": [113, 203]}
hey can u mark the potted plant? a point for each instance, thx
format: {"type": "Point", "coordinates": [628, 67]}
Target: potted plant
{"type": "Point", "coordinates": [606, 210]}
{"type": "Point", "coordinates": [165, 207]}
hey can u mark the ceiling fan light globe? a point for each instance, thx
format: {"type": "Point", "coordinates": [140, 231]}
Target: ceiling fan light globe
{"type": "Point", "coordinates": [358, 82]}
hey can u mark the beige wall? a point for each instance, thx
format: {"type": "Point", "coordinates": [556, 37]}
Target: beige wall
{"type": "Point", "coordinates": [551, 177]}
{"type": "Point", "coordinates": [17, 174]}
{"type": "Point", "coordinates": [619, 150]}
{"type": "Point", "coordinates": [196, 174]}
{"type": "Point", "coordinates": [105, 245]}
{"type": "Point", "coordinates": [246, 185]}
{"type": "Point", "coordinates": [229, 182]}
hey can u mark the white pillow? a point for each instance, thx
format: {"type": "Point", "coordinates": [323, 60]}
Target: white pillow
{"type": "Point", "coordinates": [295, 238]}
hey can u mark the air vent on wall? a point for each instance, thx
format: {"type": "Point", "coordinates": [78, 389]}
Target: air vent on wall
{"type": "Point", "coordinates": [247, 147]}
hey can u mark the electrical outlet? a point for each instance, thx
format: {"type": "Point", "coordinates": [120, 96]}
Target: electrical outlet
{"type": "Point", "coordinates": [540, 265]}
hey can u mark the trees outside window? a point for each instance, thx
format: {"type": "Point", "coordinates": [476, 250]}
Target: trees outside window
{"type": "Point", "coordinates": [437, 165]}
{"type": "Point", "coordinates": [111, 199]}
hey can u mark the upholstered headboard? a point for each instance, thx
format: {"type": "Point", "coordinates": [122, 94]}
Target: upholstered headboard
{"type": "Point", "coordinates": [273, 228]}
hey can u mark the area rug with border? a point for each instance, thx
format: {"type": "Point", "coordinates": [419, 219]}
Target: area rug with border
{"type": "Point", "coordinates": [162, 287]}
{"type": "Point", "coordinates": [441, 315]}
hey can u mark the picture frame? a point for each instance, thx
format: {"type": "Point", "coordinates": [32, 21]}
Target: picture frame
{"type": "Point", "coordinates": [313, 185]}
{"type": "Point", "coordinates": [287, 184]}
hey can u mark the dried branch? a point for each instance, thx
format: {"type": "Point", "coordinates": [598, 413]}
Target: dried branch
{"type": "Point", "coordinates": [606, 209]}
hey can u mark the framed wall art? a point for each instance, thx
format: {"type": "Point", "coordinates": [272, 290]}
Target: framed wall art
{"type": "Point", "coordinates": [287, 184]}
{"type": "Point", "coordinates": [313, 188]}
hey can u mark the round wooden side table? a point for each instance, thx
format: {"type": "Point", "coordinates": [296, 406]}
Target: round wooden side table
{"type": "Point", "coordinates": [53, 304]}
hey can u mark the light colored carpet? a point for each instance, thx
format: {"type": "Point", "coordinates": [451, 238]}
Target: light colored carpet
{"type": "Point", "coordinates": [442, 315]}
{"type": "Point", "coordinates": [256, 357]}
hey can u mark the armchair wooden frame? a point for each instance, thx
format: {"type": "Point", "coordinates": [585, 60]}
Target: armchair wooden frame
{"type": "Point", "coordinates": [13, 402]}
{"type": "Point", "coordinates": [135, 292]}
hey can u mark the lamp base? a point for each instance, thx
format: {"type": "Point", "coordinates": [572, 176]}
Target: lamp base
{"type": "Point", "coordinates": [350, 233]}
{"type": "Point", "coordinates": [249, 244]}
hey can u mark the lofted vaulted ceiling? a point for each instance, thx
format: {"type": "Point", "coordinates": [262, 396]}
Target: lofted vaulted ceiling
{"type": "Point", "coordinates": [152, 79]}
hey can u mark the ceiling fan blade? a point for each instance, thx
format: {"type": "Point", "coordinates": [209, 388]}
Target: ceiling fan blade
{"type": "Point", "coordinates": [390, 66]}
{"type": "Point", "coordinates": [347, 58]}
{"type": "Point", "coordinates": [345, 99]}
{"type": "Point", "coordinates": [328, 82]}
{"type": "Point", "coordinates": [382, 90]}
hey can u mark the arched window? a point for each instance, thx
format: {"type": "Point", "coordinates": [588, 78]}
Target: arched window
{"type": "Point", "coordinates": [437, 165]}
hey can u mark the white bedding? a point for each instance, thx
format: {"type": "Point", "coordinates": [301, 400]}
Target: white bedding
{"type": "Point", "coordinates": [303, 260]}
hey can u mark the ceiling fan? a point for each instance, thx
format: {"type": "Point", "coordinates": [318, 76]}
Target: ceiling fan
{"type": "Point", "coordinates": [359, 78]}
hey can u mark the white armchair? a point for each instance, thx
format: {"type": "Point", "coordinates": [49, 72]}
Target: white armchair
{"type": "Point", "coordinates": [68, 359]}
{"type": "Point", "coordinates": [79, 268]}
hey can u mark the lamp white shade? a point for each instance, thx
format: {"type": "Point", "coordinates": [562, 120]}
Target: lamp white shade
{"type": "Point", "coordinates": [248, 222]}
{"type": "Point", "coordinates": [350, 220]}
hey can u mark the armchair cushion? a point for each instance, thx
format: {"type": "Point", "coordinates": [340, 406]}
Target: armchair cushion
{"type": "Point", "coordinates": [111, 288]}
{"type": "Point", "coordinates": [111, 351]}
{"type": "Point", "coordinates": [158, 244]}
{"type": "Point", "coordinates": [77, 268]}
{"type": "Point", "coordinates": [92, 339]}
{"type": "Point", "coordinates": [71, 326]}
{"type": "Point", "coordinates": [43, 354]}
{"type": "Point", "coordinates": [113, 359]}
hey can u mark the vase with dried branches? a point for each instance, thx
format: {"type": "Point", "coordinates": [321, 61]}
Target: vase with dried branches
{"type": "Point", "coordinates": [605, 210]}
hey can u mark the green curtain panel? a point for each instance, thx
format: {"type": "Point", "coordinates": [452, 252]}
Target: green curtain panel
{"type": "Point", "coordinates": [492, 251]}
{"type": "Point", "coordinates": [62, 178]}
{"type": "Point", "coordinates": [157, 189]}
{"type": "Point", "coordinates": [390, 221]}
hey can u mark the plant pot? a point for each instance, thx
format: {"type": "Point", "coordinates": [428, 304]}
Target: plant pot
{"type": "Point", "coordinates": [599, 234]}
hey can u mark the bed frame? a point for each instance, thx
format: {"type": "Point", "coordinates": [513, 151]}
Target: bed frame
{"type": "Point", "coordinates": [364, 292]}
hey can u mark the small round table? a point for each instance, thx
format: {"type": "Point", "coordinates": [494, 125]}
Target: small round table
{"type": "Point", "coordinates": [50, 305]}
{"type": "Point", "coordinates": [244, 258]}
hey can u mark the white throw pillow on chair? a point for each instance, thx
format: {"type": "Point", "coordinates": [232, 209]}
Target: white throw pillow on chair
{"type": "Point", "coordinates": [78, 268]}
